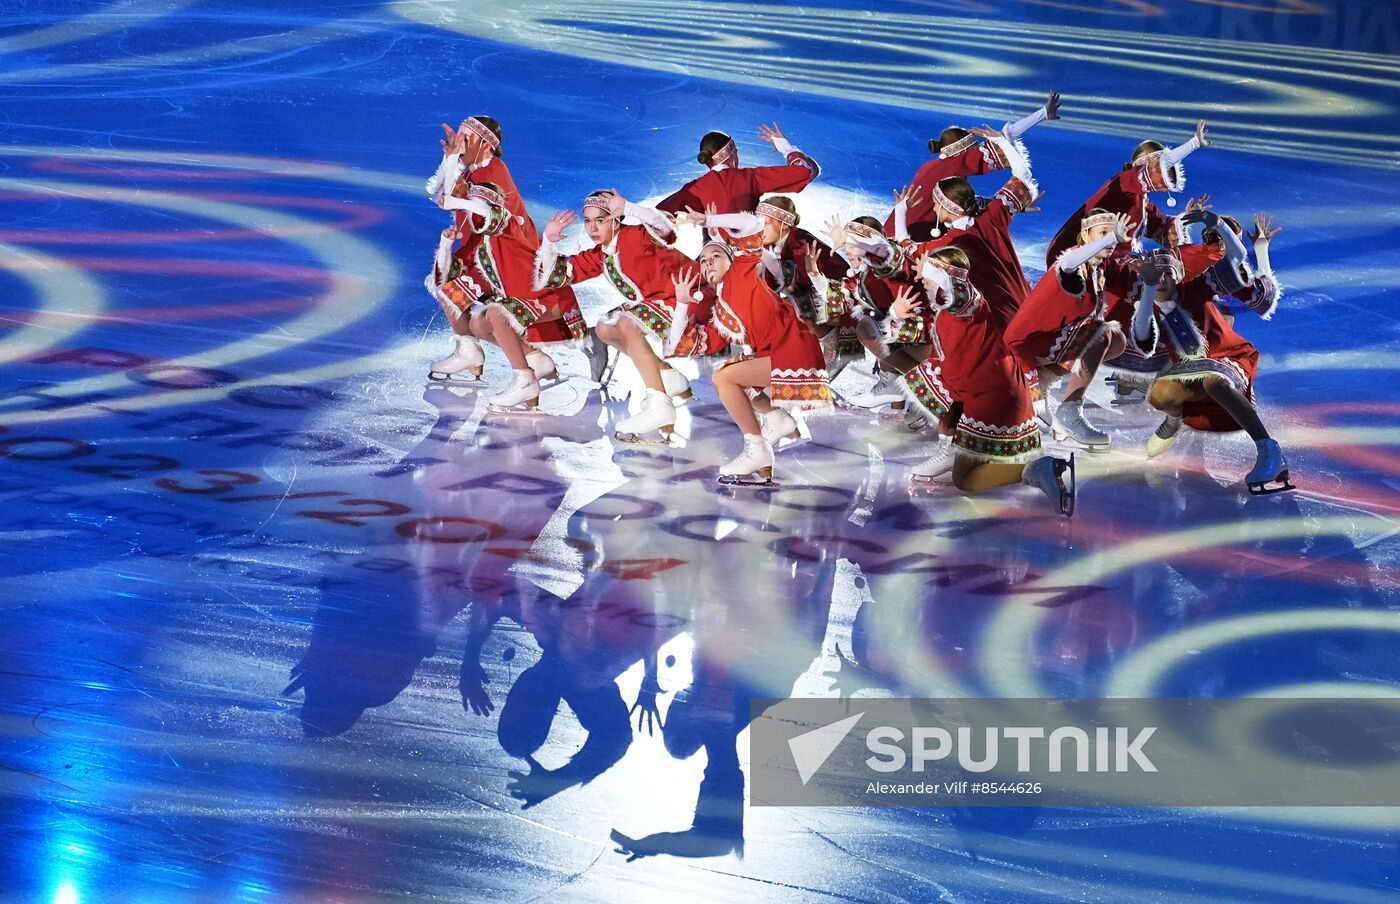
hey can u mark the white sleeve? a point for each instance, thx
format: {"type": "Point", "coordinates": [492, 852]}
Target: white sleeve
{"type": "Point", "coordinates": [680, 319]}
{"type": "Point", "coordinates": [1261, 254]}
{"type": "Point", "coordinates": [474, 205]}
{"type": "Point", "coordinates": [737, 223]}
{"type": "Point", "coordinates": [448, 172]}
{"type": "Point", "coordinates": [651, 218]}
{"type": "Point", "coordinates": [1079, 255]}
{"type": "Point", "coordinates": [1181, 152]}
{"type": "Point", "coordinates": [901, 221]}
{"type": "Point", "coordinates": [1144, 324]}
{"type": "Point", "coordinates": [443, 259]}
{"type": "Point", "coordinates": [545, 259]}
{"type": "Point", "coordinates": [1234, 247]}
{"type": "Point", "coordinates": [1014, 130]}
{"type": "Point", "coordinates": [783, 146]}
{"type": "Point", "coordinates": [1020, 166]}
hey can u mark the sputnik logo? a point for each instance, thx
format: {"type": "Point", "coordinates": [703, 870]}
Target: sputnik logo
{"type": "Point", "coordinates": [811, 750]}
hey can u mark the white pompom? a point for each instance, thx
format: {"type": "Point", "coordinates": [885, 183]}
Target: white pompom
{"type": "Point", "coordinates": [1171, 201]}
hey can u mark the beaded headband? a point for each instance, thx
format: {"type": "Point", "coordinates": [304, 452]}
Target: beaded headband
{"type": "Point", "coordinates": [724, 154]}
{"type": "Point", "coordinates": [958, 146]}
{"type": "Point", "coordinates": [773, 212]}
{"type": "Point", "coordinates": [1098, 219]}
{"type": "Point", "coordinates": [488, 195]}
{"type": "Point", "coordinates": [862, 229]}
{"type": "Point", "coordinates": [481, 131]}
{"type": "Point", "coordinates": [716, 243]}
{"type": "Point", "coordinates": [947, 203]}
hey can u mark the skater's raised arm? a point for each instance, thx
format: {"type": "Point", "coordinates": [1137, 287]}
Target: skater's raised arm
{"type": "Point", "coordinates": [1049, 110]}
{"type": "Point", "coordinates": [1080, 255]}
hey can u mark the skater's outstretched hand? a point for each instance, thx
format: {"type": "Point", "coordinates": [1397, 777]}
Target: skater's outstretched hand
{"type": "Point", "coordinates": [562, 219]}
{"type": "Point", "coordinates": [906, 195]}
{"type": "Point", "coordinates": [837, 230]}
{"type": "Point", "coordinates": [1122, 228]}
{"type": "Point", "coordinates": [1264, 229]}
{"type": "Point", "coordinates": [1198, 203]}
{"type": "Point", "coordinates": [1201, 134]}
{"type": "Point", "coordinates": [986, 131]}
{"type": "Point", "coordinates": [771, 134]}
{"type": "Point", "coordinates": [685, 283]}
{"type": "Point", "coordinates": [451, 143]}
{"type": "Point", "coordinates": [906, 304]}
{"type": "Point", "coordinates": [617, 204]}
{"type": "Point", "coordinates": [1052, 105]}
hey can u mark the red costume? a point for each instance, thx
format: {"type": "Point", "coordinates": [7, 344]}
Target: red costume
{"type": "Point", "coordinates": [1065, 312]}
{"type": "Point", "coordinates": [750, 316]}
{"type": "Point", "coordinates": [1126, 193]}
{"type": "Point", "coordinates": [995, 267]}
{"type": "Point", "coordinates": [971, 159]}
{"type": "Point", "coordinates": [494, 266]}
{"type": "Point", "coordinates": [639, 265]}
{"type": "Point", "coordinates": [972, 365]}
{"type": "Point", "coordinates": [739, 189]}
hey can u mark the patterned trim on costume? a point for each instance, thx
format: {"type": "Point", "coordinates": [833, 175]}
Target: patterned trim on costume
{"type": "Point", "coordinates": [561, 275]}
{"type": "Point", "coordinates": [625, 287]}
{"type": "Point", "coordinates": [1224, 279]}
{"type": "Point", "coordinates": [651, 319]}
{"type": "Point", "coordinates": [1017, 195]}
{"type": "Point", "coordinates": [805, 389]}
{"type": "Point", "coordinates": [1264, 295]}
{"type": "Point", "coordinates": [994, 156]}
{"type": "Point", "coordinates": [1154, 174]}
{"type": "Point", "coordinates": [490, 196]}
{"type": "Point", "coordinates": [1198, 369]}
{"type": "Point", "coordinates": [909, 331]}
{"type": "Point", "coordinates": [895, 262]}
{"type": "Point", "coordinates": [518, 311]}
{"type": "Point", "coordinates": [923, 387]}
{"type": "Point", "coordinates": [727, 323]}
{"type": "Point", "coordinates": [724, 154]}
{"type": "Point", "coordinates": [1074, 338]}
{"type": "Point", "coordinates": [946, 204]}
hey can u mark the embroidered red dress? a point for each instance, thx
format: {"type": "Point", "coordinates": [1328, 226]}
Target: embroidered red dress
{"type": "Point", "coordinates": [973, 159]}
{"type": "Point", "coordinates": [751, 317]}
{"type": "Point", "coordinates": [971, 364]}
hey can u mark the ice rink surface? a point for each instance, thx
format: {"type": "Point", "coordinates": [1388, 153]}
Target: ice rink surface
{"type": "Point", "coordinates": [283, 622]}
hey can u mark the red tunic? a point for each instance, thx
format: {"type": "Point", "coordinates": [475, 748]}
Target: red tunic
{"type": "Point", "coordinates": [972, 365]}
{"type": "Point", "coordinates": [1125, 193]}
{"type": "Point", "coordinates": [641, 267]}
{"type": "Point", "coordinates": [494, 265]}
{"type": "Point", "coordinates": [995, 267]}
{"type": "Point", "coordinates": [752, 317]}
{"type": "Point", "coordinates": [738, 190]}
{"type": "Point", "coordinates": [922, 216]}
{"type": "Point", "coordinates": [1065, 312]}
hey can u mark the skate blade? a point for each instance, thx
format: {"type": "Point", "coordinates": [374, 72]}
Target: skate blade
{"type": "Point", "coordinates": [468, 378]}
{"type": "Point", "coordinates": [552, 381]}
{"type": "Point", "coordinates": [1279, 484]}
{"type": "Point", "coordinates": [1068, 491]}
{"type": "Point", "coordinates": [795, 438]}
{"type": "Point", "coordinates": [1125, 400]}
{"type": "Point", "coordinates": [747, 481]}
{"type": "Point", "coordinates": [519, 410]}
{"type": "Point", "coordinates": [1060, 436]}
{"type": "Point", "coordinates": [637, 439]}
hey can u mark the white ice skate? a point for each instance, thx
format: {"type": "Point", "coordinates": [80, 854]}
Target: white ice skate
{"type": "Point", "coordinates": [1069, 423]}
{"type": "Point", "coordinates": [753, 467]}
{"type": "Point", "coordinates": [522, 396]}
{"type": "Point", "coordinates": [884, 393]}
{"type": "Point", "coordinates": [652, 424]}
{"type": "Point", "coordinates": [1165, 434]}
{"type": "Point", "coordinates": [677, 386]}
{"type": "Point", "coordinates": [464, 365]}
{"type": "Point", "coordinates": [546, 372]}
{"type": "Point", "coordinates": [922, 475]}
{"type": "Point", "coordinates": [779, 429]}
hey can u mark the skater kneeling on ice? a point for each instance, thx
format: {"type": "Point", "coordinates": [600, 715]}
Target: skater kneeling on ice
{"type": "Point", "coordinates": [975, 389]}
{"type": "Point", "coordinates": [779, 367]}
{"type": "Point", "coordinates": [1210, 384]}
